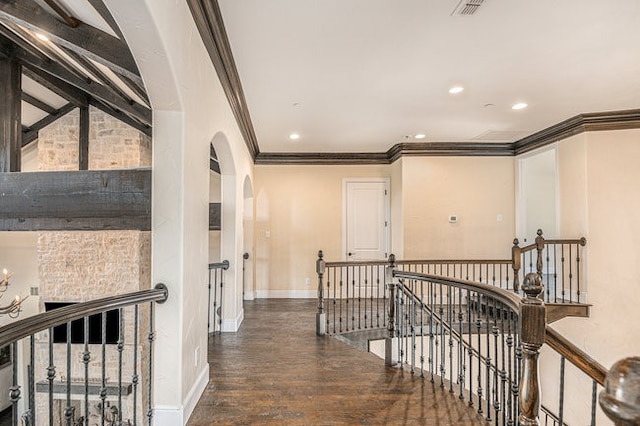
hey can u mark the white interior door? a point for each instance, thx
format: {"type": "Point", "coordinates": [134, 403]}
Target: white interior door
{"type": "Point", "coordinates": [366, 219]}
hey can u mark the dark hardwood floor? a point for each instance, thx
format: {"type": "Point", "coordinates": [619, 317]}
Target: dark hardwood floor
{"type": "Point", "coordinates": [276, 371]}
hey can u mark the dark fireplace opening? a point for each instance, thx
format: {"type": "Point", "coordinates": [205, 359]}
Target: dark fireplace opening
{"type": "Point", "coordinates": [112, 322]}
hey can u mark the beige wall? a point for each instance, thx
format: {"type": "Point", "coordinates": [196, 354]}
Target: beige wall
{"type": "Point", "coordinates": [476, 189]}
{"type": "Point", "coordinates": [300, 209]}
{"type": "Point", "coordinates": [600, 199]}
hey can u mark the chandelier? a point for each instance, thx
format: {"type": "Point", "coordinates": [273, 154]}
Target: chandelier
{"type": "Point", "coordinates": [15, 306]}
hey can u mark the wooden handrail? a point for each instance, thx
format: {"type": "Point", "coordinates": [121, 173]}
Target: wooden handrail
{"type": "Point", "coordinates": [575, 355]}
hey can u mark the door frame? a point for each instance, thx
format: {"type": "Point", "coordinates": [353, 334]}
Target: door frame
{"type": "Point", "coordinates": [521, 214]}
{"type": "Point", "coordinates": [387, 210]}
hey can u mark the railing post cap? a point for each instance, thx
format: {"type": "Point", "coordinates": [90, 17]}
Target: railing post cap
{"type": "Point", "coordinates": [392, 259]}
{"type": "Point", "coordinates": [320, 254]}
{"type": "Point", "coordinates": [226, 264]}
{"type": "Point", "coordinates": [539, 233]}
{"type": "Point", "coordinates": [515, 242]}
{"type": "Point", "coordinates": [532, 285]}
{"type": "Point", "coordinates": [620, 399]}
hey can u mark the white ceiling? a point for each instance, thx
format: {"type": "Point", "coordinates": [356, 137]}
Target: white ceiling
{"type": "Point", "coordinates": [368, 73]}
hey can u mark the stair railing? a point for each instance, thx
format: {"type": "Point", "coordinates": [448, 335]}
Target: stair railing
{"type": "Point", "coordinates": [216, 296]}
{"type": "Point", "coordinates": [483, 344]}
{"type": "Point", "coordinates": [86, 363]}
{"type": "Point", "coordinates": [352, 295]}
{"type": "Point", "coordinates": [558, 261]}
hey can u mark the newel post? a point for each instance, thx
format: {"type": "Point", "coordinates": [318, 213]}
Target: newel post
{"type": "Point", "coordinates": [532, 333]}
{"type": "Point", "coordinates": [539, 248]}
{"type": "Point", "coordinates": [321, 325]}
{"type": "Point", "coordinates": [620, 399]}
{"type": "Point", "coordinates": [516, 261]}
{"type": "Point", "coordinates": [391, 342]}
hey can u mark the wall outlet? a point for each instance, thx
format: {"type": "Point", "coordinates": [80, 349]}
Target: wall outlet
{"type": "Point", "coordinates": [307, 281]}
{"type": "Point", "coordinates": [499, 217]}
{"type": "Point", "coordinates": [453, 218]}
{"type": "Point", "coordinates": [196, 357]}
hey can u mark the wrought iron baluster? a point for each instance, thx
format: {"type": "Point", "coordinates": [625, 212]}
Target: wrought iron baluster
{"type": "Point", "coordinates": [561, 393]}
{"type": "Point", "coordinates": [151, 338]}
{"type": "Point", "coordinates": [479, 332]}
{"type": "Point", "coordinates": [342, 297]}
{"type": "Point", "coordinates": [450, 313]}
{"type": "Point", "coordinates": [135, 379]}
{"type": "Point", "coordinates": [443, 365]}
{"type": "Point", "coordinates": [103, 390]}
{"type": "Point", "coordinates": [68, 412]}
{"type": "Point", "coordinates": [120, 350]}
{"type": "Point", "coordinates": [86, 359]}
{"type": "Point", "coordinates": [594, 390]}
{"type": "Point", "coordinates": [422, 330]}
{"type": "Point", "coordinates": [432, 347]}
{"type": "Point", "coordinates": [14, 390]}
{"type": "Point", "coordinates": [563, 269]}
{"type": "Point", "coordinates": [461, 357]}
{"type": "Point", "coordinates": [51, 375]}
{"type": "Point", "coordinates": [469, 309]}
{"type": "Point", "coordinates": [570, 275]}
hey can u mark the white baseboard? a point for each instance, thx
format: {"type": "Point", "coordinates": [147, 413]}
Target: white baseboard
{"type": "Point", "coordinates": [196, 392]}
{"type": "Point", "coordinates": [233, 325]}
{"type": "Point", "coordinates": [165, 415]}
{"type": "Point", "coordinates": [249, 295]}
{"type": "Point", "coordinates": [286, 294]}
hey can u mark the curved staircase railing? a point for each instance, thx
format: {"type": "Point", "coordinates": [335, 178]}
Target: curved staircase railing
{"type": "Point", "coordinates": [86, 363]}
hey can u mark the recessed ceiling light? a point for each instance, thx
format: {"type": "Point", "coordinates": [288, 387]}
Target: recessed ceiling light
{"type": "Point", "coordinates": [420, 136]}
{"type": "Point", "coordinates": [294, 136]}
{"type": "Point", "coordinates": [519, 105]}
{"type": "Point", "coordinates": [456, 89]}
{"type": "Point", "coordinates": [42, 37]}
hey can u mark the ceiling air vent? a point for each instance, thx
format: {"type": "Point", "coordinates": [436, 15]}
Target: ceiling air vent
{"type": "Point", "coordinates": [467, 7]}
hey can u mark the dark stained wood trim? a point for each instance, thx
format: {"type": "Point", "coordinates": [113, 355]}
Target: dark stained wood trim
{"type": "Point", "coordinates": [95, 90]}
{"type": "Point", "coordinates": [321, 158]}
{"type": "Point", "coordinates": [208, 19]}
{"type": "Point", "coordinates": [31, 133]}
{"type": "Point", "coordinates": [215, 214]}
{"type": "Point", "coordinates": [83, 139]}
{"type": "Point", "coordinates": [588, 122]}
{"type": "Point", "coordinates": [43, 106]}
{"type": "Point", "coordinates": [76, 200]}
{"type": "Point", "coordinates": [10, 115]}
{"type": "Point", "coordinates": [84, 39]}
{"type": "Point", "coordinates": [460, 149]}
{"type": "Point", "coordinates": [66, 91]}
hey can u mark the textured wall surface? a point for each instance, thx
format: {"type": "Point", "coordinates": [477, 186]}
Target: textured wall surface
{"type": "Point", "coordinates": [112, 144]}
{"type": "Point", "coordinates": [77, 266]}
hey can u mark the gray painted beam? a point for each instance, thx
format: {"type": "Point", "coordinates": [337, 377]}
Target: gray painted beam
{"type": "Point", "coordinates": [31, 133]}
{"type": "Point", "coordinates": [77, 200]}
{"type": "Point", "coordinates": [215, 212]}
{"type": "Point", "coordinates": [10, 115]}
{"type": "Point", "coordinates": [84, 39]}
{"type": "Point", "coordinates": [83, 139]}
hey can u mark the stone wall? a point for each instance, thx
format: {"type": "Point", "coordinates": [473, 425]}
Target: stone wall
{"type": "Point", "coordinates": [112, 144]}
{"type": "Point", "coordinates": [77, 266]}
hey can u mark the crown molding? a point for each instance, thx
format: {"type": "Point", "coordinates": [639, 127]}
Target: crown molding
{"type": "Point", "coordinates": [208, 19]}
{"type": "Point", "coordinates": [588, 122]}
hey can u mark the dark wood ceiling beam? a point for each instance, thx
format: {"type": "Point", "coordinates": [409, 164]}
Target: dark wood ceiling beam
{"type": "Point", "coordinates": [30, 134]}
{"type": "Point", "coordinates": [38, 103]}
{"type": "Point", "coordinates": [83, 139]}
{"type": "Point", "coordinates": [94, 90]}
{"type": "Point", "coordinates": [10, 115]}
{"type": "Point", "coordinates": [97, 72]}
{"type": "Point", "coordinates": [61, 12]}
{"type": "Point", "coordinates": [102, 10]}
{"type": "Point", "coordinates": [49, 52]}
{"type": "Point", "coordinates": [76, 200]}
{"type": "Point", "coordinates": [66, 91]}
{"type": "Point", "coordinates": [208, 18]}
{"type": "Point", "coordinates": [84, 39]}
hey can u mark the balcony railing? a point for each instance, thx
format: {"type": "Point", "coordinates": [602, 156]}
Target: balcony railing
{"type": "Point", "coordinates": [86, 363]}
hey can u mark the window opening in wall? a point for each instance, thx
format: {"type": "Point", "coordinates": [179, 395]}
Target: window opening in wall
{"type": "Point", "coordinates": [95, 327]}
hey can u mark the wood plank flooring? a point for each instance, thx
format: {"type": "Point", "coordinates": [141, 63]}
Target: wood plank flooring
{"type": "Point", "coordinates": [276, 371]}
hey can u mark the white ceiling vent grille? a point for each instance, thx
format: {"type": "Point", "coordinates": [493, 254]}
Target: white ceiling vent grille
{"type": "Point", "coordinates": [467, 7]}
